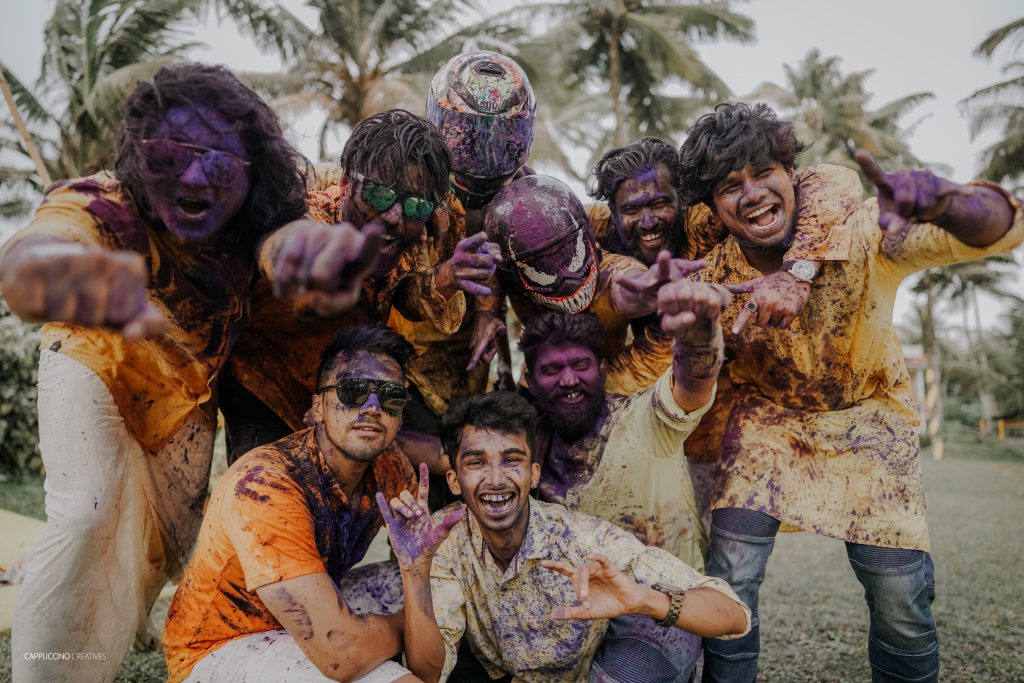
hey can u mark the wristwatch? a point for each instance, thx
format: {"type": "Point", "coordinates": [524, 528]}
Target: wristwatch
{"type": "Point", "coordinates": [803, 271]}
{"type": "Point", "coordinates": [675, 604]}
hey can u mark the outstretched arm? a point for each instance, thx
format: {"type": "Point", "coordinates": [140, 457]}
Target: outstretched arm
{"type": "Point", "coordinates": [415, 539]}
{"type": "Point", "coordinates": [604, 592]}
{"type": "Point", "coordinates": [974, 214]}
{"type": "Point", "coordinates": [690, 313]}
{"type": "Point", "coordinates": [323, 265]}
{"type": "Point", "coordinates": [46, 279]}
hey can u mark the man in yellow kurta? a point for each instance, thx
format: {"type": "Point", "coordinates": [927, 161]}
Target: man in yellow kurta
{"type": "Point", "coordinates": [822, 435]}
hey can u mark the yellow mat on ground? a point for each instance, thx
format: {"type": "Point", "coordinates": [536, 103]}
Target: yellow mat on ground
{"type": "Point", "coordinates": [17, 533]}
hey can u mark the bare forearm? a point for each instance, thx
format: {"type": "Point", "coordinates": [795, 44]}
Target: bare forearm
{"type": "Point", "coordinates": [977, 215]}
{"type": "Point", "coordinates": [267, 249]}
{"type": "Point", "coordinates": [424, 647]}
{"type": "Point", "coordinates": [706, 612]}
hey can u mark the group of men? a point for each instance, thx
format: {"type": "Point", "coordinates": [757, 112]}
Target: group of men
{"type": "Point", "coordinates": [344, 320]}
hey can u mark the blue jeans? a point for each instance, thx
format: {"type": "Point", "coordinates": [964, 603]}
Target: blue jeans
{"type": "Point", "coordinates": [637, 650]}
{"type": "Point", "coordinates": [899, 587]}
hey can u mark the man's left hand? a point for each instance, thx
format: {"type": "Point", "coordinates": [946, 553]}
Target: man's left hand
{"type": "Point", "coordinates": [777, 299]}
{"type": "Point", "coordinates": [602, 590]}
{"type": "Point", "coordinates": [690, 311]}
{"type": "Point", "coordinates": [488, 331]}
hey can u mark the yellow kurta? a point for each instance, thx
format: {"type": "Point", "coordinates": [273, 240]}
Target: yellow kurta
{"type": "Point", "coordinates": [202, 294]}
{"type": "Point", "coordinates": [827, 194]}
{"type": "Point", "coordinates": [821, 434]}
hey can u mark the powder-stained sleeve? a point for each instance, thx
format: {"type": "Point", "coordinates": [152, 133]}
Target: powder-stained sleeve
{"type": "Point", "coordinates": [267, 519]}
{"type": "Point", "coordinates": [649, 565]}
{"type": "Point", "coordinates": [449, 602]}
{"type": "Point", "coordinates": [924, 245]}
{"type": "Point", "coordinates": [639, 365]}
{"type": "Point", "coordinates": [827, 194]}
{"type": "Point", "coordinates": [64, 216]}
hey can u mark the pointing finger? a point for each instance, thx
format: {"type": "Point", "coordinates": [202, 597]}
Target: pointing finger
{"type": "Point", "coordinates": [746, 313]}
{"type": "Point", "coordinates": [664, 266]}
{"type": "Point", "coordinates": [875, 173]}
{"type": "Point", "coordinates": [745, 287]}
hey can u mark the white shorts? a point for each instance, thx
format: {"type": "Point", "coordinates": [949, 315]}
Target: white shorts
{"type": "Point", "coordinates": [273, 656]}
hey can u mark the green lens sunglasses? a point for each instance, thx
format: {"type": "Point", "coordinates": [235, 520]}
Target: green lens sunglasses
{"type": "Point", "coordinates": [382, 198]}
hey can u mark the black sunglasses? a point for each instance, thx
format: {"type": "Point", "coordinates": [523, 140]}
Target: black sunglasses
{"type": "Point", "coordinates": [354, 392]}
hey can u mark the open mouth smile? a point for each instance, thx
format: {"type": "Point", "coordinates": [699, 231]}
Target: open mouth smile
{"type": "Point", "coordinates": [497, 504]}
{"type": "Point", "coordinates": [572, 397]}
{"type": "Point", "coordinates": [764, 219]}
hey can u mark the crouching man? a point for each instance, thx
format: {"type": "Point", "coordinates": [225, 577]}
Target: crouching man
{"type": "Point", "coordinates": [540, 592]}
{"type": "Point", "coordinates": [268, 594]}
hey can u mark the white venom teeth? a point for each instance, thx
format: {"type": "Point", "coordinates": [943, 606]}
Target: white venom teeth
{"type": "Point", "coordinates": [497, 499]}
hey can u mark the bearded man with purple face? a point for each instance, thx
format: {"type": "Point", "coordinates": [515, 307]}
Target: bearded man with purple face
{"type": "Point", "coordinates": [143, 279]}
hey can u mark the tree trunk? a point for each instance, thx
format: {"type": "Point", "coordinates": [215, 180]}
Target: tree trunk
{"type": "Point", "coordinates": [615, 77]}
{"type": "Point", "coordinates": [985, 398]}
{"type": "Point", "coordinates": [933, 375]}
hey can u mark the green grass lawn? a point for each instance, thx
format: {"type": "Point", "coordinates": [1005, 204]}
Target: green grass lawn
{"type": "Point", "coordinates": [813, 617]}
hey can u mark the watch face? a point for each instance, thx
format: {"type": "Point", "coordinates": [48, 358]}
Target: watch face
{"type": "Point", "coordinates": [803, 270]}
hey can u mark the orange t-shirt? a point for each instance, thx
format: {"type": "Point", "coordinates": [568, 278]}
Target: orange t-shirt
{"type": "Point", "coordinates": [276, 514]}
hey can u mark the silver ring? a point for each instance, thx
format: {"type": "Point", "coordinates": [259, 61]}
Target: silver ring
{"type": "Point", "coordinates": [750, 306]}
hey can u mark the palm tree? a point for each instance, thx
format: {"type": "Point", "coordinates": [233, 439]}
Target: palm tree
{"type": "Point", "coordinates": [999, 105]}
{"type": "Point", "coordinates": [960, 283]}
{"type": "Point", "coordinates": [829, 110]}
{"type": "Point", "coordinates": [625, 52]}
{"type": "Point", "coordinates": [95, 51]}
{"type": "Point", "coordinates": [372, 56]}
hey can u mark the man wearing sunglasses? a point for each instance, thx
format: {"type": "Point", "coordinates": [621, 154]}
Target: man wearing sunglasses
{"type": "Point", "coordinates": [143, 277]}
{"type": "Point", "coordinates": [394, 172]}
{"type": "Point", "coordinates": [270, 593]}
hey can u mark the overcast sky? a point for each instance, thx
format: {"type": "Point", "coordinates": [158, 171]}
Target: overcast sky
{"type": "Point", "coordinates": [912, 45]}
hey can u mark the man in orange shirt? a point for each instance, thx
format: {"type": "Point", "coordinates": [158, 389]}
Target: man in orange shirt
{"type": "Point", "coordinates": [269, 593]}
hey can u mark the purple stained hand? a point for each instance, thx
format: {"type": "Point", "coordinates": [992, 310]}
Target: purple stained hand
{"type": "Point", "coordinates": [414, 537]}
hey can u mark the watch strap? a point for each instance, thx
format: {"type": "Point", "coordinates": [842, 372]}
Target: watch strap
{"type": "Point", "coordinates": [675, 605]}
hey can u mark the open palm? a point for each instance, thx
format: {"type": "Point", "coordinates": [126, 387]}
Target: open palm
{"type": "Point", "coordinates": [414, 537]}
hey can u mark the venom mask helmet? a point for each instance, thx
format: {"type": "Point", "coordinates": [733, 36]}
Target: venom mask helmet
{"type": "Point", "coordinates": [547, 242]}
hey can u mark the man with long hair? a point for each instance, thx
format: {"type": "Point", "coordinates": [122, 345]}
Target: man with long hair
{"type": "Point", "coordinates": [143, 277]}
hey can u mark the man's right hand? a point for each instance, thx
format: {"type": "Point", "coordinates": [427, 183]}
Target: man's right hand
{"type": "Point", "coordinates": [414, 538]}
{"type": "Point", "coordinates": [324, 265]}
{"type": "Point", "coordinates": [69, 283]}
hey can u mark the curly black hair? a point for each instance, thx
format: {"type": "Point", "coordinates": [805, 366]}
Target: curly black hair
{"type": "Point", "coordinates": [383, 146]}
{"type": "Point", "coordinates": [624, 163]}
{"type": "Point", "coordinates": [504, 412]}
{"type": "Point", "coordinates": [731, 137]}
{"type": "Point", "coordinates": [278, 190]}
{"type": "Point", "coordinates": [367, 338]}
{"type": "Point", "coordinates": [558, 327]}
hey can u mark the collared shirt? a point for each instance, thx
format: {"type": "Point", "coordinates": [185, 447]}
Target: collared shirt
{"type": "Point", "coordinates": [277, 356]}
{"type": "Point", "coordinates": [276, 514]}
{"type": "Point", "coordinates": [630, 470]}
{"type": "Point", "coordinates": [505, 616]}
{"type": "Point", "coordinates": [201, 293]}
{"type": "Point", "coordinates": [822, 434]}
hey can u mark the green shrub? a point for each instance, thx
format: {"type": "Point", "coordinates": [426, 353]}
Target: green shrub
{"type": "Point", "coordinates": [19, 433]}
